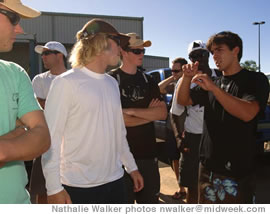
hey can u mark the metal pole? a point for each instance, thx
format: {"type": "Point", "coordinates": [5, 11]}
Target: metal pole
{"type": "Point", "coordinates": [259, 47]}
{"type": "Point", "coordinates": [259, 42]}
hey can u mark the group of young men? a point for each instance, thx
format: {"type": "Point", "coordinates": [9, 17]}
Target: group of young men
{"type": "Point", "coordinates": [99, 122]}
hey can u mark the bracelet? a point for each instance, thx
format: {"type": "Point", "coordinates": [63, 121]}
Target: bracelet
{"type": "Point", "coordinates": [23, 127]}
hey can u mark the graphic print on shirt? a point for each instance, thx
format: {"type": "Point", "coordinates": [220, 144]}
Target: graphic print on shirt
{"type": "Point", "coordinates": [133, 93]}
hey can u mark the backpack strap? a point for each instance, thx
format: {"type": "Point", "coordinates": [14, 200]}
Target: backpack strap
{"type": "Point", "coordinates": [145, 78]}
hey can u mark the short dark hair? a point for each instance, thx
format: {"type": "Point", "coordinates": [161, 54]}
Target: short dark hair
{"type": "Point", "coordinates": [180, 60]}
{"type": "Point", "coordinates": [228, 38]}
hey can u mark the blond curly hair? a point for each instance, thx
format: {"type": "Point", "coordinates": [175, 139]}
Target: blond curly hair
{"type": "Point", "coordinates": [86, 48]}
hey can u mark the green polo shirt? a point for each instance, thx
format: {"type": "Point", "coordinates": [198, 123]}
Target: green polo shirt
{"type": "Point", "coordinates": [16, 99]}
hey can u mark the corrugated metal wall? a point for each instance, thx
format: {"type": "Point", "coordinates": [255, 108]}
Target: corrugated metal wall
{"type": "Point", "coordinates": [155, 62]}
{"type": "Point", "coordinates": [63, 27]}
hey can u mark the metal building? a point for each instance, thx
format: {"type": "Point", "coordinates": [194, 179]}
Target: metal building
{"type": "Point", "coordinates": [62, 27]}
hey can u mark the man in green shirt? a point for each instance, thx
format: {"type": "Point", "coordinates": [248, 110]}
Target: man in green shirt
{"type": "Point", "coordinates": [17, 101]}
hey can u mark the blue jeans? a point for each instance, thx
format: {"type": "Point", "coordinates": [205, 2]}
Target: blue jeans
{"type": "Point", "coordinates": [110, 193]}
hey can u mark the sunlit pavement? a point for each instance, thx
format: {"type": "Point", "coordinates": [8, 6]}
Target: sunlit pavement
{"type": "Point", "coordinates": [168, 185]}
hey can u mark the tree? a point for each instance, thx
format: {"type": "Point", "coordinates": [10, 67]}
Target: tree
{"type": "Point", "coordinates": [250, 65]}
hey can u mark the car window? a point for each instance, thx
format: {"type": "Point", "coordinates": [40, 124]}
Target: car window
{"type": "Point", "coordinates": [168, 73]}
{"type": "Point", "coordinates": [156, 76]}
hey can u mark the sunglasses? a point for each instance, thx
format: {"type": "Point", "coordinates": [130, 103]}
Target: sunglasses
{"type": "Point", "coordinates": [197, 55]}
{"type": "Point", "coordinates": [176, 71]}
{"type": "Point", "coordinates": [136, 51]}
{"type": "Point", "coordinates": [14, 18]}
{"type": "Point", "coordinates": [48, 52]}
{"type": "Point", "coordinates": [115, 38]}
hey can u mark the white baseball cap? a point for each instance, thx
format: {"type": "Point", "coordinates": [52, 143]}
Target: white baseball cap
{"type": "Point", "coordinates": [196, 45]}
{"type": "Point", "coordinates": [52, 45]}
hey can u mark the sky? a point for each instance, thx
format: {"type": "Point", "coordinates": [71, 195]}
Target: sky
{"type": "Point", "coordinates": [172, 24]}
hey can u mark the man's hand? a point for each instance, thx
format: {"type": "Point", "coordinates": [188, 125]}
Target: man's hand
{"type": "Point", "coordinates": [204, 81]}
{"type": "Point", "coordinates": [137, 180]}
{"type": "Point", "coordinates": [190, 70]}
{"type": "Point", "coordinates": [154, 103]}
{"type": "Point", "coordinates": [60, 198]}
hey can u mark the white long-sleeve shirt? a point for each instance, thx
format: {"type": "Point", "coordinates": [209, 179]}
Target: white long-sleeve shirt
{"type": "Point", "coordinates": [89, 145]}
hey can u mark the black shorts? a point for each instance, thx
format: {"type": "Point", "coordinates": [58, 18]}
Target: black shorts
{"type": "Point", "coordinates": [215, 188]}
{"type": "Point", "coordinates": [189, 161]}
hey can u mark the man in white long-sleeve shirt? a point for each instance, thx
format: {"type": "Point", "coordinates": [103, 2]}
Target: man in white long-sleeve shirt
{"type": "Point", "coordinates": [83, 111]}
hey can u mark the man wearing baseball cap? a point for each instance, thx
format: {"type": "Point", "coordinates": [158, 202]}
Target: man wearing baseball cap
{"type": "Point", "coordinates": [30, 138]}
{"type": "Point", "coordinates": [142, 104]}
{"type": "Point", "coordinates": [193, 125]}
{"type": "Point", "coordinates": [54, 58]}
{"type": "Point", "coordinates": [83, 111]}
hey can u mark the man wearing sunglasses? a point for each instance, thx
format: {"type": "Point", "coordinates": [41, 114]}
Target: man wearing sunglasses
{"type": "Point", "coordinates": [31, 137]}
{"type": "Point", "coordinates": [84, 115]}
{"type": "Point", "coordinates": [142, 104]}
{"type": "Point", "coordinates": [193, 125]}
{"type": "Point", "coordinates": [54, 58]}
{"type": "Point", "coordinates": [172, 134]}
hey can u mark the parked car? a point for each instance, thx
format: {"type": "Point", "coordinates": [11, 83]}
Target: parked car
{"type": "Point", "coordinates": [159, 75]}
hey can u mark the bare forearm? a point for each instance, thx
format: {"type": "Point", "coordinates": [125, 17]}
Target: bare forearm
{"type": "Point", "coordinates": [163, 84]}
{"type": "Point", "coordinates": [242, 109]}
{"type": "Point", "coordinates": [27, 146]}
{"type": "Point", "coordinates": [150, 113]}
{"type": "Point", "coordinates": [183, 91]}
{"type": "Point", "coordinates": [12, 134]}
{"type": "Point", "coordinates": [131, 121]}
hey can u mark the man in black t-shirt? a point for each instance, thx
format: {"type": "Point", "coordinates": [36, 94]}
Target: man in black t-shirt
{"type": "Point", "coordinates": [142, 104]}
{"type": "Point", "coordinates": [232, 103]}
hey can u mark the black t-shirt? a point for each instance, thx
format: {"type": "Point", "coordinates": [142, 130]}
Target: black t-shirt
{"type": "Point", "coordinates": [137, 91]}
{"type": "Point", "coordinates": [228, 143]}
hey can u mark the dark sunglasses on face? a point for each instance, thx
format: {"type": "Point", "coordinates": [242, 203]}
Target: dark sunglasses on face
{"type": "Point", "coordinates": [48, 52]}
{"type": "Point", "coordinates": [14, 18]}
{"type": "Point", "coordinates": [136, 51]}
{"type": "Point", "coordinates": [115, 38]}
{"type": "Point", "coordinates": [176, 71]}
